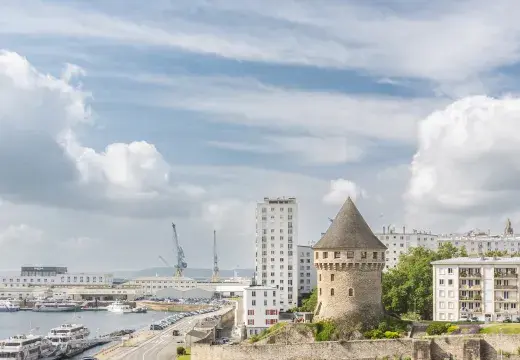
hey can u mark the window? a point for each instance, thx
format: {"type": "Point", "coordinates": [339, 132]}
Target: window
{"type": "Point", "coordinates": [441, 293]}
{"type": "Point", "coordinates": [331, 277]}
{"type": "Point", "coordinates": [325, 255]}
{"type": "Point", "coordinates": [442, 305]}
{"type": "Point", "coordinates": [374, 255]}
{"type": "Point", "coordinates": [253, 302]}
{"type": "Point", "coordinates": [253, 293]}
{"type": "Point", "coordinates": [363, 254]}
{"type": "Point", "coordinates": [350, 292]}
{"type": "Point", "coordinates": [320, 291]}
{"type": "Point", "coordinates": [450, 282]}
{"type": "Point", "coordinates": [441, 281]}
{"type": "Point", "coordinates": [320, 277]}
{"type": "Point", "coordinates": [250, 322]}
{"type": "Point", "coordinates": [350, 254]}
{"type": "Point", "coordinates": [332, 292]}
{"type": "Point", "coordinates": [450, 305]}
{"type": "Point", "coordinates": [250, 312]}
{"type": "Point", "coordinates": [336, 254]}
{"type": "Point", "coordinates": [450, 270]}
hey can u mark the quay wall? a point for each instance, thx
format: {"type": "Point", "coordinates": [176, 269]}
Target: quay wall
{"type": "Point", "coordinates": [459, 347]}
{"type": "Point", "coordinates": [160, 306]}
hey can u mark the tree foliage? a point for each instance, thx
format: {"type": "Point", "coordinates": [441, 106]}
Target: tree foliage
{"type": "Point", "coordinates": [409, 286]}
{"type": "Point", "coordinates": [308, 304]}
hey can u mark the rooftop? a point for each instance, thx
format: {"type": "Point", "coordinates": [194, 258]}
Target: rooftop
{"type": "Point", "coordinates": [349, 231]}
{"type": "Point", "coordinates": [259, 287]}
{"type": "Point", "coordinates": [479, 261]}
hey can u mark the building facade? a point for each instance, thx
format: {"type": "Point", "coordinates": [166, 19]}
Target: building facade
{"type": "Point", "coordinates": [478, 242]}
{"type": "Point", "coordinates": [399, 242]}
{"type": "Point", "coordinates": [307, 278]}
{"type": "Point", "coordinates": [261, 308]}
{"type": "Point", "coordinates": [54, 277]}
{"type": "Point", "coordinates": [150, 285]}
{"type": "Point", "coordinates": [480, 287]}
{"type": "Point", "coordinates": [349, 260]}
{"type": "Point", "coordinates": [276, 248]}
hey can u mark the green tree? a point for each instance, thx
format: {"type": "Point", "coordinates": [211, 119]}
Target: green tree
{"type": "Point", "coordinates": [409, 286]}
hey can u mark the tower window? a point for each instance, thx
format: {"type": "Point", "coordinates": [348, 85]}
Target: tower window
{"type": "Point", "coordinates": [336, 254]}
{"type": "Point", "coordinates": [363, 254]}
{"type": "Point", "coordinates": [325, 255]}
{"type": "Point", "coordinates": [320, 291]}
{"type": "Point", "coordinates": [350, 254]}
{"type": "Point", "coordinates": [350, 292]}
{"type": "Point", "coordinates": [331, 277]}
{"type": "Point", "coordinates": [320, 277]}
{"type": "Point", "coordinates": [317, 255]}
{"type": "Point", "coordinates": [332, 292]}
{"type": "Point", "coordinates": [374, 255]}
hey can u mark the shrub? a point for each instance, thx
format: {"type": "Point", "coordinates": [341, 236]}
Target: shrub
{"type": "Point", "coordinates": [181, 350]}
{"type": "Point", "coordinates": [391, 335]}
{"type": "Point", "coordinates": [451, 329]}
{"type": "Point", "coordinates": [324, 330]}
{"type": "Point", "coordinates": [437, 328]}
{"type": "Point", "coordinates": [411, 316]}
{"type": "Point", "coordinates": [374, 334]}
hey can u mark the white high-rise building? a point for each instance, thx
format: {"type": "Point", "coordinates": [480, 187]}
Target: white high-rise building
{"type": "Point", "coordinates": [399, 243]}
{"type": "Point", "coordinates": [483, 288]}
{"type": "Point", "coordinates": [306, 271]}
{"type": "Point", "coordinates": [276, 248]}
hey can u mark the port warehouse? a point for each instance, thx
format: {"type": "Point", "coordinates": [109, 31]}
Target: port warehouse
{"type": "Point", "coordinates": [37, 282]}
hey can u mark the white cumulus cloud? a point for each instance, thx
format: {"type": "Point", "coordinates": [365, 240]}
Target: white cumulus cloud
{"type": "Point", "coordinates": [340, 190]}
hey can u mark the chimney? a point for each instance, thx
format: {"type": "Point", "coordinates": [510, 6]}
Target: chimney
{"type": "Point", "coordinates": [384, 230]}
{"type": "Point", "coordinates": [404, 230]}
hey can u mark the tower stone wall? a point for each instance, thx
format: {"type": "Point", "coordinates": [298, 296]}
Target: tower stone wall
{"type": "Point", "coordinates": [349, 283]}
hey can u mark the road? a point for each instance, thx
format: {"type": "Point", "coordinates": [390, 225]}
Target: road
{"type": "Point", "coordinates": [163, 346]}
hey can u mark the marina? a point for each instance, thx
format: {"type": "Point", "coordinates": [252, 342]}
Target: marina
{"type": "Point", "coordinates": [97, 323]}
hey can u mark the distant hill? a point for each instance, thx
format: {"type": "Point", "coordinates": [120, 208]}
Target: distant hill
{"type": "Point", "coordinates": [192, 273]}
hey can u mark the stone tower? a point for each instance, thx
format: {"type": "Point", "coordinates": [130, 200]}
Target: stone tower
{"type": "Point", "coordinates": [349, 260]}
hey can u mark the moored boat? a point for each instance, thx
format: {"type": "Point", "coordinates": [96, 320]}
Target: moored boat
{"type": "Point", "coordinates": [119, 308]}
{"type": "Point", "coordinates": [8, 306]}
{"type": "Point", "coordinates": [25, 347]}
{"type": "Point", "coordinates": [56, 306]}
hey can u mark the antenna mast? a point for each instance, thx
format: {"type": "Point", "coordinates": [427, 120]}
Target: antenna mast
{"type": "Point", "coordinates": [215, 277]}
{"type": "Point", "coordinates": [181, 264]}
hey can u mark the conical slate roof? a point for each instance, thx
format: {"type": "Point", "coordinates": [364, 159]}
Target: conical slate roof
{"type": "Point", "coordinates": [349, 231]}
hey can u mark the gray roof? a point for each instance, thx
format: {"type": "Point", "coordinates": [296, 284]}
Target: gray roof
{"type": "Point", "coordinates": [349, 231]}
{"type": "Point", "coordinates": [479, 261]}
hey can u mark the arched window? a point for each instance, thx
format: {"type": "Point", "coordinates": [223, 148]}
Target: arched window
{"type": "Point", "coordinates": [320, 291]}
{"type": "Point", "coordinates": [350, 292]}
{"type": "Point", "coordinates": [320, 277]}
{"type": "Point", "coordinates": [331, 277]}
{"type": "Point", "coordinates": [332, 292]}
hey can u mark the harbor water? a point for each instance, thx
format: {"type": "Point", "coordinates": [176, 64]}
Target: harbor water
{"type": "Point", "coordinates": [98, 322]}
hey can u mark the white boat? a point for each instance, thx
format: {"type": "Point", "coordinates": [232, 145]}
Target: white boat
{"type": "Point", "coordinates": [56, 306]}
{"type": "Point", "coordinates": [25, 347]}
{"type": "Point", "coordinates": [68, 335]}
{"type": "Point", "coordinates": [120, 308]}
{"type": "Point", "coordinates": [8, 306]}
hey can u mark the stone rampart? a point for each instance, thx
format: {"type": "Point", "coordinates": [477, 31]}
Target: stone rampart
{"type": "Point", "coordinates": [461, 347]}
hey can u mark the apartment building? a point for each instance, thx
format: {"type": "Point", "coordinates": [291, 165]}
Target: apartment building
{"type": "Point", "coordinates": [478, 242]}
{"type": "Point", "coordinates": [45, 276]}
{"type": "Point", "coordinates": [260, 306]}
{"type": "Point", "coordinates": [306, 271]}
{"type": "Point", "coordinates": [476, 287]}
{"type": "Point", "coordinates": [276, 248]}
{"type": "Point", "coordinates": [399, 242]}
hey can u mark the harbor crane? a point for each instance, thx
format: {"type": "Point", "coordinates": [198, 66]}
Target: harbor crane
{"type": "Point", "coordinates": [215, 276]}
{"type": "Point", "coordinates": [181, 264]}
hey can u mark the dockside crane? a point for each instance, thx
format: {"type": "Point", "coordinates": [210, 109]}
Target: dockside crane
{"type": "Point", "coordinates": [181, 264]}
{"type": "Point", "coordinates": [215, 277]}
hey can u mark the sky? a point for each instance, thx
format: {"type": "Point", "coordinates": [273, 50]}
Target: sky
{"type": "Point", "coordinates": [120, 117]}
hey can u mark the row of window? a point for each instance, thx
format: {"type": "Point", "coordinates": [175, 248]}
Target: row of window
{"type": "Point", "coordinates": [251, 312]}
{"type": "Point", "coordinates": [289, 210]}
{"type": "Point", "coordinates": [62, 279]}
{"type": "Point", "coordinates": [267, 321]}
{"type": "Point", "coordinates": [350, 292]}
{"type": "Point", "coordinates": [350, 255]}
{"type": "Point", "coordinates": [253, 302]}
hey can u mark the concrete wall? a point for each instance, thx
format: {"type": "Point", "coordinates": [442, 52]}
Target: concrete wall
{"type": "Point", "coordinates": [479, 347]}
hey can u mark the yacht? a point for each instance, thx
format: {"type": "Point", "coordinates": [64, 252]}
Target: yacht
{"type": "Point", "coordinates": [55, 306]}
{"type": "Point", "coordinates": [65, 335]}
{"type": "Point", "coordinates": [120, 308]}
{"type": "Point", "coordinates": [8, 306]}
{"type": "Point", "coordinates": [25, 347]}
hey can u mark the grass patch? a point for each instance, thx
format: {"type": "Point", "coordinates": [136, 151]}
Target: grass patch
{"type": "Point", "coordinates": [268, 332]}
{"type": "Point", "coordinates": [501, 329]}
{"type": "Point", "coordinates": [187, 356]}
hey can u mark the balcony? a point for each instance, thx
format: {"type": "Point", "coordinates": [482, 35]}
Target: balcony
{"type": "Point", "coordinates": [506, 287]}
{"type": "Point", "coordinates": [472, 287]}
{"type": "Point", "coordinates": [501, 299]}
{"type": "Point", "coordinates": [476, 298]}
{"type": "Point", "coordinates": [505, 275]}
{"type": "Point", "coordinates": [471, 311]}
{"type": "Point", "coordinates": [470, 275]}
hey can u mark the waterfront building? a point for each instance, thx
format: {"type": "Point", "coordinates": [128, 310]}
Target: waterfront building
{"type": "Point", "coordinates": [307, 271]}
{"type": "Point", "coordinates": [260, 308]}
{"type": "Point", "coordinates": [150, 285]}
{"type": "Point", "coordinates": [276, 248]}
{"type": "Point", "coordinates": [45, 276]}
{"type": "Point", "coordinates": [400, 242]}
{"type": "Point", "coordinates": [349, 259]}
{"type": "Point", "coordinates": [476, 287]}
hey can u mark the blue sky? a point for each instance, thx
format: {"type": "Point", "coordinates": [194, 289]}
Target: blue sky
{"type": "Point", "coordinates": [233, 101]}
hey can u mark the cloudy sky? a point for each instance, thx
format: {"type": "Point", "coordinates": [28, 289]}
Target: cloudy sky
{"type": "Point", "coordinates": [118, 117]}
